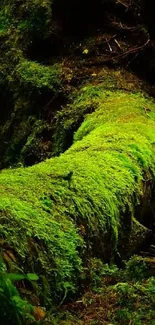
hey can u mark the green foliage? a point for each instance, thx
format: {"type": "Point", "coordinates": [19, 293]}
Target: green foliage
{"type": "Point", "coordinates": [97, 271]}
{"type": "Point", "coordinates": [123, 303]}
{"type": "Point", "coordinates": [13, 309]}
{"type": "Point", "coordinates": [135, 302]}
{"type": "Point", "coordinates": [136, 268]}
{"type": "Point", "coordinates": [27, 18]}
{"type": "Point", "coordinates": [36, 16]}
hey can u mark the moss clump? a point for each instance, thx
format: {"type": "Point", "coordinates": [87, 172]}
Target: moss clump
{"type": "Point", "coordinates": [34, 75]}
{"type": "Point", "coordinates": [86, 99]}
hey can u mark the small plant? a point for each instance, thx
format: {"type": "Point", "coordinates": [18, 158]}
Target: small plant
{"type": "Point", "coordinates": [135, 302]}
{"type": "Point", "coordinates": [98, 271]}
{"type": "Point", "coordinates": [14, 310]}
{"type": "Point", "coordinates": [136, 268]}
{"type": "Point", "coordinates": [126, 294]}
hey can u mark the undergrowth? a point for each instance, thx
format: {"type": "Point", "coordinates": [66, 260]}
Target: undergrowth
{"type": "Point", "coordinates": [14, 310]}
{"type": "Point", "coordinates": [116, 296]}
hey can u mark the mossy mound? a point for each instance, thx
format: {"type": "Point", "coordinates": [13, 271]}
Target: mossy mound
{"type": "Point", "coordinates": [28, 86]}
{"type": "Point", "coordinates": [59, 213]}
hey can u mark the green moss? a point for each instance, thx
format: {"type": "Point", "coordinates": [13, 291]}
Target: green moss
{"type": "Point", "coordinates": [86, 99]}
{"type": "Point", "coordinates": [34, 75]}
{"type": "Point", "coordinates": [27, 18]}
{"type": "Point", "coordinates": [35, 149]}
{"type": "Point", "coordinates": [47, 209]}
{"type": "Point", "coordinates": [40, 232]}
{"type": "Point", "coordinates": [29, 85]}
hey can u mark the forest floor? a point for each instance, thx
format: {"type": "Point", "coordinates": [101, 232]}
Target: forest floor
{"type": "Point", "coordinates": [121, 296]}
{"type": "Point", "coordinates": [125, 303]}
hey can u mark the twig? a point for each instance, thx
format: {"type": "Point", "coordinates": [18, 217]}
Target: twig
{"type": "Point", "coordinates": [126, 53]}
{"type": "Point", "coordinates": [115, 40]}
{"type": "Point", "coordinates": [132, 60]}
{"type": "Point", "coordinates": [136, 49]}
{"type": "Point", "coordinates": [110, 48]}
{"type": "Point", "coordinates": [122, 3]}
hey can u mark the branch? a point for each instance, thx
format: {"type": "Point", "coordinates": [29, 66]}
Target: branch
{"type": "Point", "coordinates": [136, 49]}
{"type": "Point", "coordinates": [122, 3]}
{"type": "Point", "coordinates": [125, 54]}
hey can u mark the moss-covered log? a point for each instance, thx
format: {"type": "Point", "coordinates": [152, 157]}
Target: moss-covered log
{"type": "Point", "coordinates": [57, 214]}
